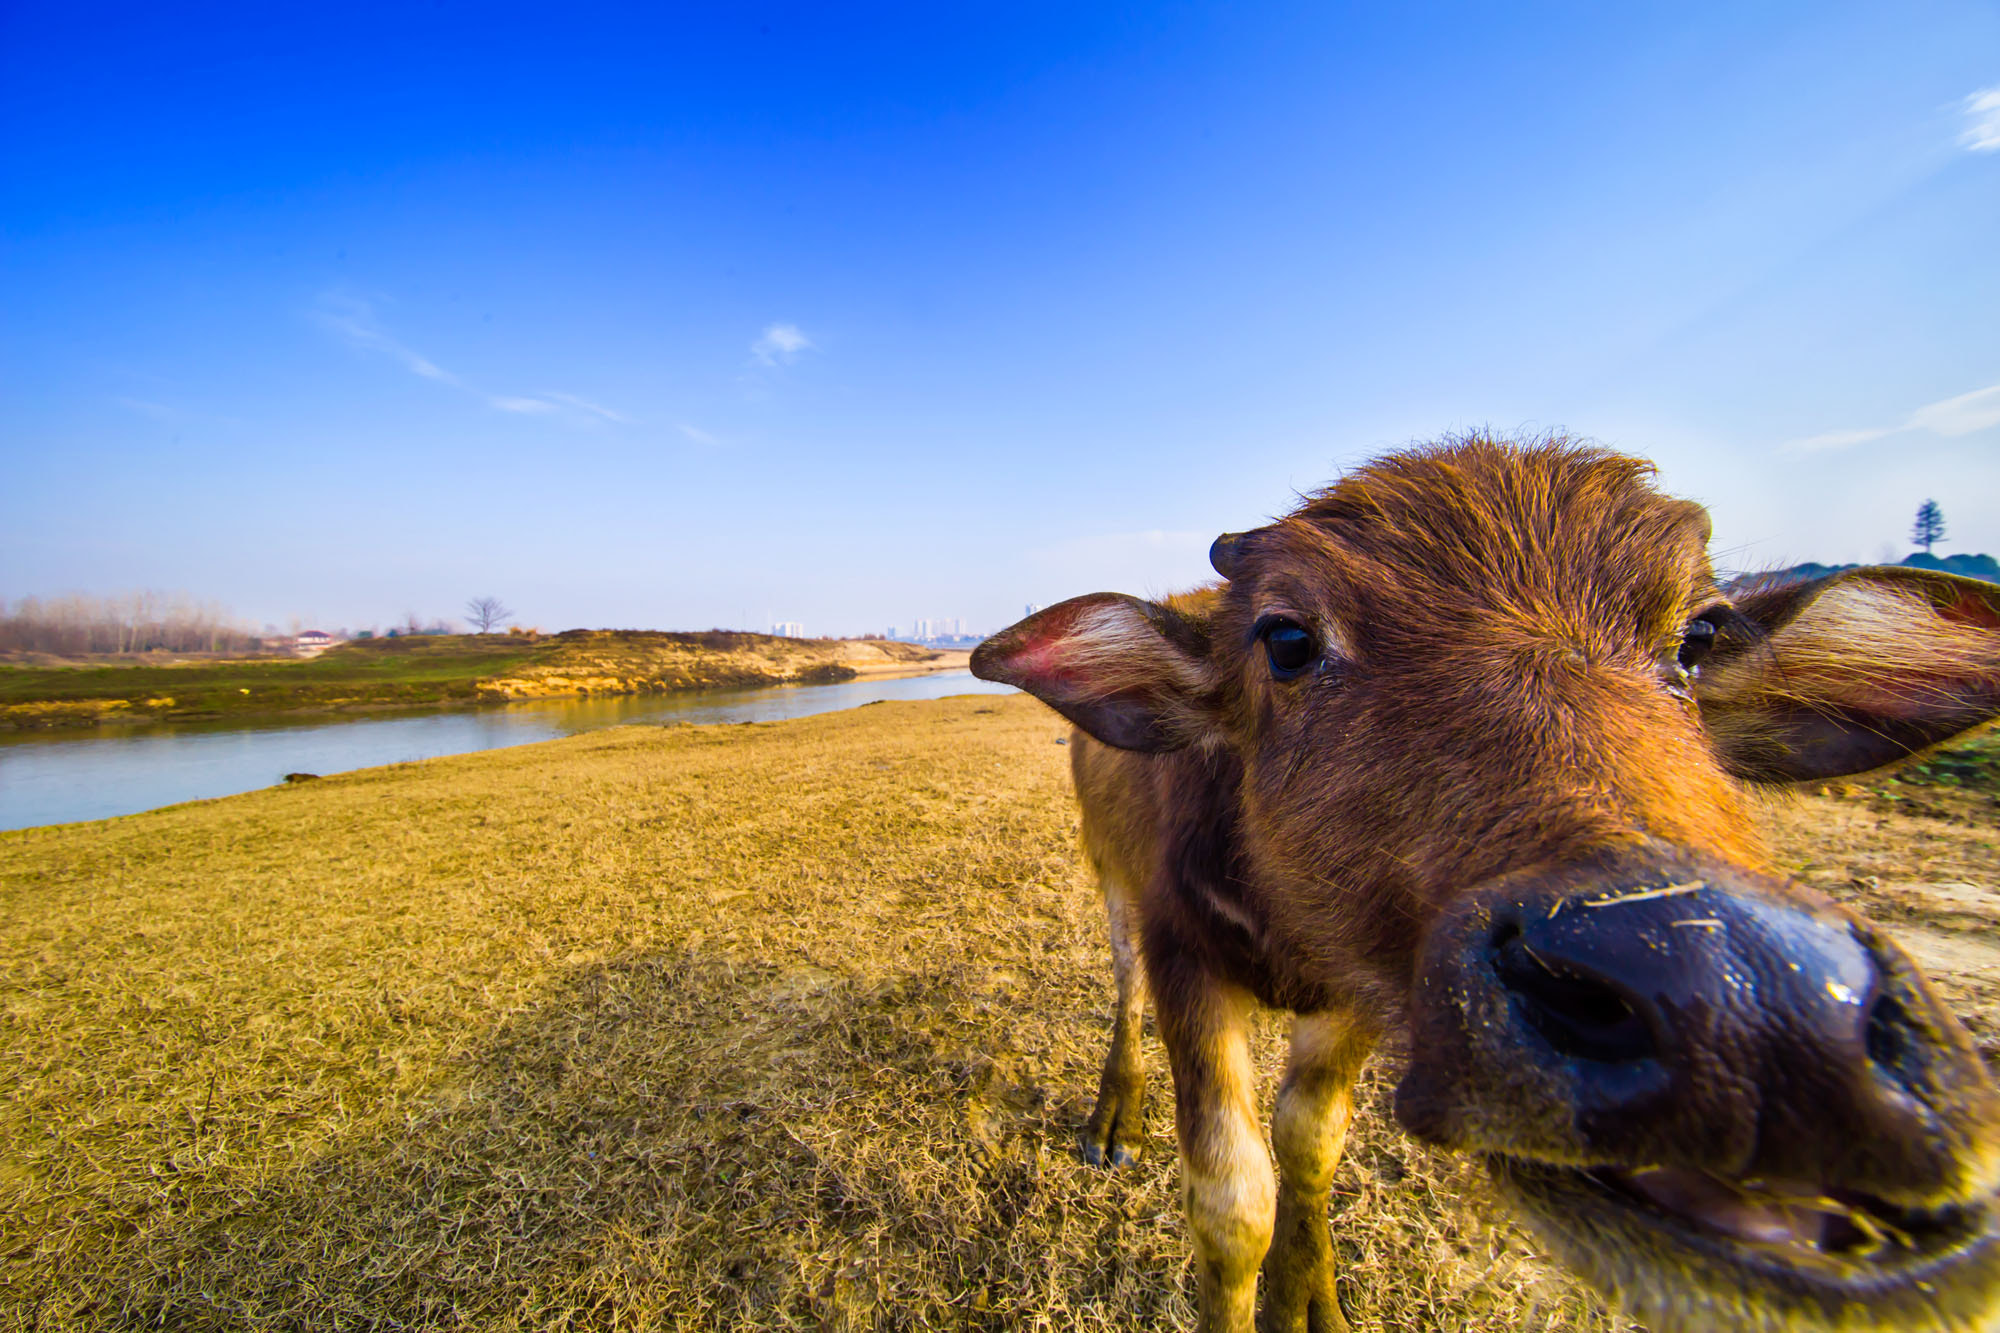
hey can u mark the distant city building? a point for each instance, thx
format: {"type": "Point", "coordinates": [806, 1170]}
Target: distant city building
{"type": "Point", "coordinates": [938, 632]}
{"type": "Point", "coordinates": [789, 629]}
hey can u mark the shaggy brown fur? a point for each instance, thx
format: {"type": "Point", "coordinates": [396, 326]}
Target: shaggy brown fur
{"type": "Point", "coordinates": [1508, 713]}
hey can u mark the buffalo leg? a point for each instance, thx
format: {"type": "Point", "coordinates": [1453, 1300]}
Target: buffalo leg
{"type": "Point", "coordinates": [1111, 1135]}
{"type": "Point", "coordinates": [1226, 1177]}
{"type": "Point", "coordinates": [1308, 1128]}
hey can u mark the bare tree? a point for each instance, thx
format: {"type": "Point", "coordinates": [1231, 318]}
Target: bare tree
{"type": "Point", "coordinates": [1929, 528]}
{"type": "Point", "coordinates": [485, 613]}
{"type": "Point", "coordinates": [124, 624]}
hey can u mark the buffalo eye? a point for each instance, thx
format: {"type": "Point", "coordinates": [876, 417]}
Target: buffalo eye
{"type": "Point", "coordinates": [1290, 646]}
{"type": "Point", "coordinates": [1696, 640]}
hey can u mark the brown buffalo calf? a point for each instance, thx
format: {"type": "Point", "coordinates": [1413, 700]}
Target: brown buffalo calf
{"type": "Point", "coordinates": [1458, 754]}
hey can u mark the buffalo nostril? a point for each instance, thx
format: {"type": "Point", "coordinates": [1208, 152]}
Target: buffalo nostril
{"type": "Point", "coordinates": [1578, 1015]}
{"type": "Point", "coordinates": [1894, 1044]}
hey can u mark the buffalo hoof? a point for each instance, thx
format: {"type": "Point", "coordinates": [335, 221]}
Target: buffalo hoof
{"type": "Point", "coordinates": [1111, 1136]}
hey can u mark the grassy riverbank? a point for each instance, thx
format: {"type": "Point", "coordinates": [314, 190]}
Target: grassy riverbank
{"type": "Point", "coordinates": [438, 670]}
{"type": "Point", "coordinates": [775, 1025]}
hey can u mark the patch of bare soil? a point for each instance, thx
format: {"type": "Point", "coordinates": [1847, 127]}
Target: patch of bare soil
{"type": "Point", "coordinates": [1920, 853]}
{"type": "Point", "coordinates": [884, 657]}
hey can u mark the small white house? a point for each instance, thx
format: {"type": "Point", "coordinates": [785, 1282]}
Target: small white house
{"type": "Point", "coordinates": [313, 642]}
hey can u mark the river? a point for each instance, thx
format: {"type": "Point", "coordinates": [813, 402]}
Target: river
{"type": "Point", "coordinates": [59, 777]}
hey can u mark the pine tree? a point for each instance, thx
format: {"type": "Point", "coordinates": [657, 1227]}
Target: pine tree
{"type": "Point", "coordinates": [1929, 526]}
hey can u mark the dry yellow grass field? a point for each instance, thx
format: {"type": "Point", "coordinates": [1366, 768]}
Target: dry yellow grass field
{"type": "Point", "coordinates": [773, 1026]}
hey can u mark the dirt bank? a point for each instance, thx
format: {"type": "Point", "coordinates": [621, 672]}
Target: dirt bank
{"type": "Point", "coordinates": [598, 662]}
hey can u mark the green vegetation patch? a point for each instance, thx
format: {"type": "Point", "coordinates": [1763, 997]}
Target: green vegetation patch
{"type": "Point", "coordinates": [1973, 765]}
{"type": "Point", "coordinates": [415, 671]}
{"type": "Point", "coordinates": [401, 671]}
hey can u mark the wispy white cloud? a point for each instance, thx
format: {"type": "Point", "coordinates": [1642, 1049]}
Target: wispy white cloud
{"type": "Point", "coordinates": [1837, 439]}
{"type": "Point", "coordinates": [354, 321]}
{"type": "Point", "coordinates": [585, 405]}
{"type": "Point", "coordinates": [780, 344]}
{"type": "Point", "coordinates": [1961, 415]}
{"type": "Point", "coordinates": [699, 436]}
{"type": "Point", "coordinates": [1982, 115]}
{"type": "Point", "coordinates": [1950, 418]}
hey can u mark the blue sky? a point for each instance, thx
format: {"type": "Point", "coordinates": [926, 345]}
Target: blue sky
{"type": "Point", "coordinates": [852, 314]}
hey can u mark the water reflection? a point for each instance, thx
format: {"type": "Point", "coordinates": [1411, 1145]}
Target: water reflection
{"type": "Point", "coordinates": [54, 779]}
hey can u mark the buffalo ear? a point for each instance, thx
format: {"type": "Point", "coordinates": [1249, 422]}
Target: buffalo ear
{"type": "Point", "coordinates": [1851, 672]}
{"type": "Point", "coordinates": [1133, 674]}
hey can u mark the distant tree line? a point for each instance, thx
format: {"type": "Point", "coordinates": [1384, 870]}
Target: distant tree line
{"type": "Point", "coordinates": [138, 622]}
